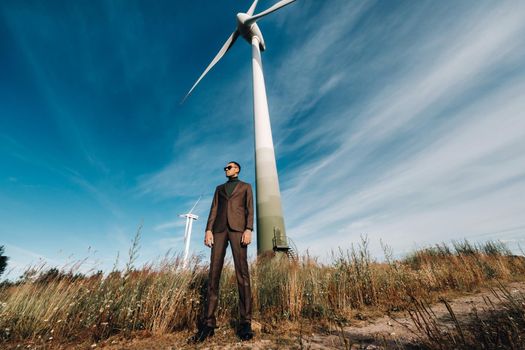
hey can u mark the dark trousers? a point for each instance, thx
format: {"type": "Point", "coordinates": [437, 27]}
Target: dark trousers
{"type": "Point", "coordinates": [240, 259]}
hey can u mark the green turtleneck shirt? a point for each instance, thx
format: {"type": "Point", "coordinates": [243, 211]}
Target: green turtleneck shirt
{"type": "Point", "coordinates": [230, 185]}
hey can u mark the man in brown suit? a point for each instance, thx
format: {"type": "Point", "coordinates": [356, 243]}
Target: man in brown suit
{"type": "Point", "coordinates": [230, 220]}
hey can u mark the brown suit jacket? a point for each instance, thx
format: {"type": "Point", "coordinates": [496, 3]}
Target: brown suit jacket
{"type": "Point", "coordinates": [235, 211]}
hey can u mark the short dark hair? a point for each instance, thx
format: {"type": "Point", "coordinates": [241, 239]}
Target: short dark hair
{"type": "Point", "coordinates": [236, 164]}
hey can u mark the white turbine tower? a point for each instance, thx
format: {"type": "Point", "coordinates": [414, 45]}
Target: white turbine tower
{"type": "Point", "coordinates": [271, 233]}
{"type": "Point", "coordinates": [187, 232]}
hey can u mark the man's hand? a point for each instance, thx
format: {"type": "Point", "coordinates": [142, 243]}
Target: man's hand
{"type": "Point", "coordinates": [246, 237]}
{"type": "Point", "coordinates": [208, 238]}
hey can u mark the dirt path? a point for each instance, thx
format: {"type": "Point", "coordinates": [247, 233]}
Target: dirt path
{"type": "Point", "coordinates": [391, 333]}
{"type": "Point", "coordinates": [380, 333]}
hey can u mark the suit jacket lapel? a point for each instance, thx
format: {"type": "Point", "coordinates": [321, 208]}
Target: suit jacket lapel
{"type": "Point", "coordinates": [222, 190]}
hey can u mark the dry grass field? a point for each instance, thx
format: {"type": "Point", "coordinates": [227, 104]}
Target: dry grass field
{"type": "Point", "coordinates": [63, 309]}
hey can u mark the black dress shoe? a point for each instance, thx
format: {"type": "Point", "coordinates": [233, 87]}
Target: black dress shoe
{"type": "Point", "coordinates": [202, 334]}
{"type": "Point", "coordinates": [246, 333]}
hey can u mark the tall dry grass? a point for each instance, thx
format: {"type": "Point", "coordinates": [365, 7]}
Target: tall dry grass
{"type": "Point", "coordinates": [499, 324]}
{"type": "Point", "coordinates": [164, 297]}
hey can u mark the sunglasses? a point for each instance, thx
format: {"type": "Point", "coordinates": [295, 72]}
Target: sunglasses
{"type": "Point", "coordinates": [226, 168]}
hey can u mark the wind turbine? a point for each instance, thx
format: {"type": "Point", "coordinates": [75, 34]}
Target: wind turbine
{"type": "Point", "coordinates": [187, 232]}
{"type": "Point", "coordinates": [271, 234]}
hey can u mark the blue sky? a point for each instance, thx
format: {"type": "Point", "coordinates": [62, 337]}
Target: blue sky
{"type": "Point", "coordinates": [400, 120]}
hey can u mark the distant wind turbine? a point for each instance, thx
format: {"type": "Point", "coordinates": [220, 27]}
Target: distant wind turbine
{"type": "Point", "coordinates": [271, 233]}
{"type": "Point", "coordinates": [187, 231]}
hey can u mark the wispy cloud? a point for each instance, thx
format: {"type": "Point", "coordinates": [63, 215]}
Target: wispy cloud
{"type": "Point", "coordinates": [102, 198]}
{"type": "Point", "coordinates": [195, 167]}
{"type": "Point", "coordinates": [466, 161]}
{"type": "Point", "coordinates": [170, 225]}
{"type": "Point", "coordinates": [21, 259]}
{"type": "Point", "coordinates": [44, 162]}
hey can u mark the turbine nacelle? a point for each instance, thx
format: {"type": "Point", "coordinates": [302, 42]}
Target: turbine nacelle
{"type": "Point", "coordinates": [248, 29]}
{"type": "Point", "coordinates": [189, 215]}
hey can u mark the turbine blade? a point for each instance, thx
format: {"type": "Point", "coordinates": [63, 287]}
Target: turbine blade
{"type": "Point", "coordinates": [251, 10]}
{"type": "Point", "coordinates": [195, 204]}
{"type": "Point", "coordinates": [227, 45]}
{"type": "Point", "coordinates": [275, 7]}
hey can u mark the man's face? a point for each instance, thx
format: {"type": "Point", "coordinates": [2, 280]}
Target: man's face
{"type": "Point", "coordinates": [231, 170]}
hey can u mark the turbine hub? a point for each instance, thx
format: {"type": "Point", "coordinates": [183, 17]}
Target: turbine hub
{"type": "Point", "coordinates": [241, 18]}
{"type": "Point", "coordinates": [249, 31]}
